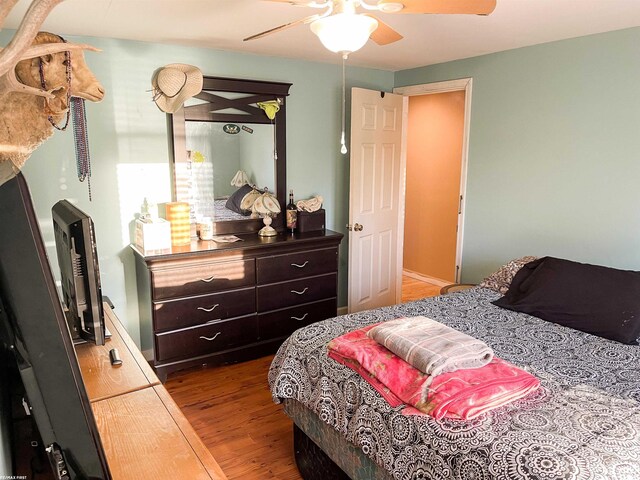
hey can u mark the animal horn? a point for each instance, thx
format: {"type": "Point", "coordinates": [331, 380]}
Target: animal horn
{"type": "Point", "coordinates": [9, 83]}
{"type": "Point", "coordinates": [37, 12]}
{"type": "Point", "coordinates": [47, 48]}
{"type": "Point", "coordinates": [5, 8]}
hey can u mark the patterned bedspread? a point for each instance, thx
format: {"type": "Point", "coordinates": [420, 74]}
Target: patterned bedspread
{"type": "Point", "coordinates": [584, 424]}
{"type": "Point", "coordinates": [222, 213]}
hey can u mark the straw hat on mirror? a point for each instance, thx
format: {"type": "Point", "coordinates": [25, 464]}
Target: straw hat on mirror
{"type": "Point", "coordinates": [175, 83]}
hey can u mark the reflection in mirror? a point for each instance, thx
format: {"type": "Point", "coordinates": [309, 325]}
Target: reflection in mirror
{"type": "Point", "coordinates": [234, 127]}
{"type": "Point", "coordinates": [218, 151]}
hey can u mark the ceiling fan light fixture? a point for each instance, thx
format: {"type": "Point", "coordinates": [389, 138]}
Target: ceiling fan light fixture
{"type": "Point", "coordinates": [391, 7]}
{"type": "Point", "coordinates": [344, 32]}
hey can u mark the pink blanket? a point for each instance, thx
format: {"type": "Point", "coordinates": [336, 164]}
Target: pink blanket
{"type": "Point", "coordinates": [463, 394]}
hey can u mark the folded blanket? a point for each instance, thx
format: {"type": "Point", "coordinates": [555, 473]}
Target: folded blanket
{"type": "Point", "coordinates": [430, 346]}
{"type": "Point", "coordinates": [463, 394]}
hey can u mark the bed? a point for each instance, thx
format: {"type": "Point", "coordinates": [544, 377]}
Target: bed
{"type": "Point", "coordinates": [582, 424]}
{"type": "Point", "coordinates": [222, 213]}
{"type": "Point", "coordinates": [238, 205]}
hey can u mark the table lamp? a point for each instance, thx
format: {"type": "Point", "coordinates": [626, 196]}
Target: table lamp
{"type": "Point", "coordinates": [267, 206]}
{"type": "Point", "coordinates": [240, 179]}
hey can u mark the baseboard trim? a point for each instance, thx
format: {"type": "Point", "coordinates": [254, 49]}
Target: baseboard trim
{"type": "Point", "coordinates": [425, 278]}
{"type": "Point", "coordinates": [343, 310]}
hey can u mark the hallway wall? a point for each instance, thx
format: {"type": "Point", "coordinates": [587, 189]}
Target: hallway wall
{"type": "Point", "coordinates": [434, 155]}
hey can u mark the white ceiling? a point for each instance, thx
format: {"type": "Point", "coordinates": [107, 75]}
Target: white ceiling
{"type": "Point", "coordinates": [428, 39]}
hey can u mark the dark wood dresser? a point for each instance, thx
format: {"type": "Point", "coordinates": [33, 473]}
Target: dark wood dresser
{"type": "Point", "coordinates": [212, 303]}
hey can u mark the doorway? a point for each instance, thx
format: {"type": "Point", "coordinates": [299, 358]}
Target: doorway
{"type": "Point", "coordinates": [437, 121]}
{"type": "Point", "coordinates": [376, 248]}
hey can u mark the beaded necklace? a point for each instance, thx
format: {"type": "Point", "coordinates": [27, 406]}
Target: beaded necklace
{"type": "Point", "coordinates": [43, 83]}
{"type": "Point", "coordinates": [76, 106]}
{"type": "Point", "coordinates": [81, 137]}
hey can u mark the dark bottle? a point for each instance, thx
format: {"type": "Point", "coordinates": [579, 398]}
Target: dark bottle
{"type": "Point", "coordinates": [292, 213]}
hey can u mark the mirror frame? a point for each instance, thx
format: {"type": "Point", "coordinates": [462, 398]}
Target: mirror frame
{"type": "Point", "coordinates": [257, 91]}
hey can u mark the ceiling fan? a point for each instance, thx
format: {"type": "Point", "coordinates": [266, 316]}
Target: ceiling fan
{"type": "Point", "coordinates": [340, 19]}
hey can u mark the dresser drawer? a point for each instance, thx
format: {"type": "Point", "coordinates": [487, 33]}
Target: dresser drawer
{"type": "Point", "coordinates": [208, 338]}
{"type": "Point", "coordinates": [185, 312]}
{"type": "Point", "coordinates": [281, 323]}
{"type": "Point", "coordinates": [295, 292]}
{"type": "Point", "coordinates": [279, 268]}
{"type": "Point", "coordinates": [202, 279]}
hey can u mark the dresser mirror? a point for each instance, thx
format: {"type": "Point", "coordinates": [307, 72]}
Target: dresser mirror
{"type": "Point", "coordinates": [234, 128]}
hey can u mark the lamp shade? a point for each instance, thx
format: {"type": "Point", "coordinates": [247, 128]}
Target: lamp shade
{"type": "Point", "coordinates": [266, 204]}
{"type": "Point", "coordinates": [344, 32]}
{"type": "Point", "coordinates": [240, 179]}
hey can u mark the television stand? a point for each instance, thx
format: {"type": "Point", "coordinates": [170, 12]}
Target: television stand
{"type": "Point", "coordinates": [143, 432]}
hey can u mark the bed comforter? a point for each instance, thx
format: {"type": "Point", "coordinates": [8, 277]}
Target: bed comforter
{"type": "Point", "coordinates": [583, 424]}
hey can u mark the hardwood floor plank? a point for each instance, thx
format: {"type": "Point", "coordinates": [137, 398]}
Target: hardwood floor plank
{"type": "Point", "coordinates": [231, 409]}
{"type": "Point", "coordinates": [413, 289]}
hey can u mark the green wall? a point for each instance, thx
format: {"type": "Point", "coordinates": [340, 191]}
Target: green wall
{"type": "Point", "coordinates": [554, 151]}
{"type": "Point", "coordinates": [553, 161]}
{"type": "Point", "coordinates": [129, 151]}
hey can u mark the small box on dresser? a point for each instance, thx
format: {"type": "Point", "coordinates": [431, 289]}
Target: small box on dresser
{"type": "Point", "coordinates": [153, 237]}
{"type": "Point", "coordinates": [311, 221]}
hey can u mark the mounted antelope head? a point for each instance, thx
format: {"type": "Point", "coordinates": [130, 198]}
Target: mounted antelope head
{"type": "Point", "coordinates": [39, 72]}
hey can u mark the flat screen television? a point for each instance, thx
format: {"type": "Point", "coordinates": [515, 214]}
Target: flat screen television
{"type": "Point", "coordinates": [34, 330]}
{"type": "Point", "coordinates": [79, 272]}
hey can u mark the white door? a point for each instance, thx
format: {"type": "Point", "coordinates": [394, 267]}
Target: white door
{"type": "Point", "coordinates": [375, 210]}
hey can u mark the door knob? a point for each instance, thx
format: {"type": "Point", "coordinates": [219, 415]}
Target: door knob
{"type": "Point", "coordinates": [355, 227]}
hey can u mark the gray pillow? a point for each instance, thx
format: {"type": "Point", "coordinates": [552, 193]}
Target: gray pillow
{"type": "Point", "coordinates": [234, 201]}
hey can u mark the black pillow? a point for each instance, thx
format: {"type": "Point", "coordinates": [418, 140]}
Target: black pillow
{"type": "Point", "coordinates": [599, 300]}
{"type": "Point", "coordinates": [234, 201]}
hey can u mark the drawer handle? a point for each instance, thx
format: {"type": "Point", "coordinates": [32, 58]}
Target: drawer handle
{"type": "Point", "coordinates": [208, 280]}
{"type": "Point", "coordinates": [300, 293]}
{"type": "Point", "coordinates": [210, 309]}
{"type": "Point", "coordinates": [301, 318]}
{"type": "Point", "coordinates": [300, 266]}
{"type": "Point", "coordinates": [209, 339]}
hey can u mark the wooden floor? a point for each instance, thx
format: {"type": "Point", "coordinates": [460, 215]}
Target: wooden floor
{"type": "Point", "coordinates": [231, 409]}
{"type": "Point", "coordinates": [413, 289]}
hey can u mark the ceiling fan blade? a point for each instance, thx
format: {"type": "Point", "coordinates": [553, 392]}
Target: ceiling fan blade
{"type": "Point", "coordinates": [384, 34]}
{"type": "Point", "coordinates": [302, 21]}
{"type": "Point", "coordinates": [478, 7]}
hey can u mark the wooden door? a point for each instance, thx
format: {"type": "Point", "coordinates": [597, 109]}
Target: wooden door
{"type": "Point", "coordinates": [374, 203]}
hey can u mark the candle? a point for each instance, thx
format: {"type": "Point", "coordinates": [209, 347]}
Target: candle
{"type": "Point", "coordinates": [178, 214]}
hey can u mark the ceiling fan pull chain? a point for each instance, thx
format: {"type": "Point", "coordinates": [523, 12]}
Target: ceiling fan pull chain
{"type": "Point", "coordinates": [343, 148]}
{"type": "Point", "coordinates": [275, 141]}
{"type": "Point", "coordinates": [81, 138]}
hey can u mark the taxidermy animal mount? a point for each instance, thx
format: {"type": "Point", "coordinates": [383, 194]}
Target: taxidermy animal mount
{"type": "Point", "coordinates": [39, 72]}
